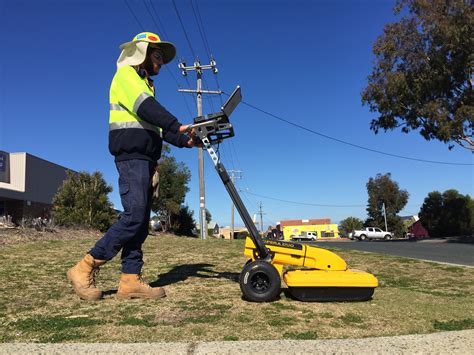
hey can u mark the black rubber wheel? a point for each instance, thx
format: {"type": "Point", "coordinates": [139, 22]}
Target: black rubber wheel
{"type": "Point", "coordinates": [362, 237]}
{"type": "Point", "coordinates": [388, 237]}
{"type": "Point", "coordinates": [260, 282]}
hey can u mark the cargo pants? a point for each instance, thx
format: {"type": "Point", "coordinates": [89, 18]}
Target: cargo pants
{"type": "Point", "coordinates": [130, 231]}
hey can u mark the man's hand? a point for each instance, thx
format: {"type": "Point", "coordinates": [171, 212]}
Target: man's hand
{"type": "Point", "coordinates": [193, 142]}
{"type": "Point", "coordinates": [184, 128]}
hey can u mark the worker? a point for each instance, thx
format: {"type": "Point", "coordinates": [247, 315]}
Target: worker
{"type": "Point", "coordinates": [138, 125]}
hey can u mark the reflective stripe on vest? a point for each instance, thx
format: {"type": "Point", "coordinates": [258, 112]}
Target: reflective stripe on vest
{"type": "Point", "coordinates": [142, 97]}
{"type": "Point", "coordinates": [137, 124]}
{"type": "Point", "coordinates": [127, 92]}
{"type": "Point", "coordinates": [116, 107]}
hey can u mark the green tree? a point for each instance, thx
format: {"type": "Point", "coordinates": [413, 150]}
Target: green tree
{"type": "Point", "coordinates": [383, 190]}
{"type": "Point", "coordinates": [208, 216]}
{"type": "Point", "coordinates": [471, 214]}
{"type": "Point", "coordinates": [82, 201]}
{"type": "Point", "coordinates": [174, 179]}
{"type": "Point", "coordinates": [349, 224]}
{"type": "Point", "coordinates": [184, 223]}
{"type": "Point", "coordinates": [422, 77]}
{"type": "Point", "coordinates": [431, 212]}
{"type": "Point", "coordinates": [447, 214]}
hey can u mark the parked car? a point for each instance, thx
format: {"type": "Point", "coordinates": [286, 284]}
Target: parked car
{"type": "Point", "coordinates": [156, 225]}
{"type": "Point", "coordinates": [308, 236]}
{"type": "Point", "coordinates": [370, 233]}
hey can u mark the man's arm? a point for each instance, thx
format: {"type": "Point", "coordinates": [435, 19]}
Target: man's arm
{"type": "Point", "coordinates": [178, 140]}
{"type": "Point", "coordinates": [153, 112]}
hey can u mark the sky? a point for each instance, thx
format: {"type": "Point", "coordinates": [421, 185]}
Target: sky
{"type": "Point", "coordinates": [304, 61]}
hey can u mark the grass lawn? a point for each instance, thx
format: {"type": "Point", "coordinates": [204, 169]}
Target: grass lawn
{"type": "Point", "coordinates": [204, 300]}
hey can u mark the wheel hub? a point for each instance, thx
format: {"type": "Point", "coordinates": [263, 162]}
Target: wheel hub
{"type": "Point", "coordinates": [260, 282]}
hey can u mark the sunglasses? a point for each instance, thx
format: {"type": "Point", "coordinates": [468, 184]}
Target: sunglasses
{"type": "Point", "coordinates": [158, 55]}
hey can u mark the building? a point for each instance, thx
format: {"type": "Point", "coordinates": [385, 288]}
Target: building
{"type": "Point", "coordinates": [225, 233]}
{"type": "Point", "coordinates": [414, 228]}
{"type": "Point", "coordinates": [323, 228]}
{"type": "Point", "coordinates": [28, 185]}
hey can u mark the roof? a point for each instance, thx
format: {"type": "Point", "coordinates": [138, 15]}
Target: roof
{"type": "Point", "coordinates": [304, 222]}
{"type": "Point", "coordinates": [412, 218]}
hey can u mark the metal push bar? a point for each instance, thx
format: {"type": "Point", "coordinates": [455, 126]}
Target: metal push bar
{"type": "Point", "coordinates": [214, 128]}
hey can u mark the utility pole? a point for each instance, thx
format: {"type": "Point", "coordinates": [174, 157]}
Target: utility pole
{"type": "Point", "coordinates": [233, 177]}
{"type": "Point", "coordinates": [260, 212]}
{"type": "Point", "coordinates": [385, 216]}
{"type": "Point", "coordinates": [198, 68]}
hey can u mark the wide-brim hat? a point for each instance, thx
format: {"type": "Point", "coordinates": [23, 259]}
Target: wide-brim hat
{"type": "Point", "coordinates": [152, 39]}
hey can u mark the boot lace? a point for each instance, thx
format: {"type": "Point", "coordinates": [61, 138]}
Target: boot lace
{"type": "Point", "coordinates": [143, 283]}
{"type": "Point", "coordinates": [92, 276]}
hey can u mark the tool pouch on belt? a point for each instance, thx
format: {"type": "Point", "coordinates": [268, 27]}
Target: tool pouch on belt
{"type": "Point", "coordinates": [155, 183]}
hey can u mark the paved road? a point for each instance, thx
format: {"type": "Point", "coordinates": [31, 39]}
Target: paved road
{"type": "Point", "coordinates": [434, 250]}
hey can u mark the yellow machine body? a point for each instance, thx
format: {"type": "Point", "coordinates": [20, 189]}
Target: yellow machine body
{"type": "Point", "coordinates": [323, 275]}
{"type": "Point", "coordinates": [297, 254]}
{"type": "Point", "coordinates": [324, 278]}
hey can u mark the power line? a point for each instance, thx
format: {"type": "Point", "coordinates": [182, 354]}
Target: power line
{"type": "Point", "coordinates": [184, 98]}
{"type": "Point", "coordinates": [189, 85]}
{"type": "Point", "coordinates": [219, 88]}
{"type": "Point", "coordinates": [206, 46]}
{"type": "Point", "coordinates": [299, 203]}
{"type": "Point", "coordinates": [152, 17]}
{"type": "Point", "coordinates": [166, 67]}
{"type": "Point", "coordinates": [204, 39]}
{"type": "Point", "coordinates": [136, 19]}
{"type": "Point", "coordinates": [348, 143]}
{"type": "Point", "coordinates": [159, 20]}
{"type": "Point", "coordinates": [232, 146]}
{"type": "Point", "coordinates": [209, 101]}
{"type": "Point", "coordinates": [179, 87]}
{"type": "Point", "coordinates": [161, 30]}
{"type": "Point", "coordinates": [203, 29]}
{"type": "Point", "coordinates": [184, 30]}
{"type": "Point", "coordinates": [226, 154]}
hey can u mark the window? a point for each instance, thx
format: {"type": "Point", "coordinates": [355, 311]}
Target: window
{"type": "Point", "coordinates": [327, 234]}
{"type": "Point", "coordinates": [2, 208]}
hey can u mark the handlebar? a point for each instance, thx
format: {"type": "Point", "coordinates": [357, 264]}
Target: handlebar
{"type": "Point", "coordinates": [215, 127]}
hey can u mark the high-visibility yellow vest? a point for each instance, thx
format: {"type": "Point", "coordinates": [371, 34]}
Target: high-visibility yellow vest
{"type": "Point", "coordinates": [127, 92]}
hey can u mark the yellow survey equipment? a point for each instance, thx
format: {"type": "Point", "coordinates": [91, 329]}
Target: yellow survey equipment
{"type": "Point", "coordinates": [321, 274]}
{"type": "Point", "coordinates": [325, 276]}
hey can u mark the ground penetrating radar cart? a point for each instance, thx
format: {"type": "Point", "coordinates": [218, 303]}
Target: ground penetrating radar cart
{"type": "Point", "coordinates": [311, 274]}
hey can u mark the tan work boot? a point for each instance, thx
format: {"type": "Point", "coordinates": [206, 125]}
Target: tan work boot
{"type": "Point", "coordinates": [82, 277]}
{"type": "Point", "coordinates": [132, 286]}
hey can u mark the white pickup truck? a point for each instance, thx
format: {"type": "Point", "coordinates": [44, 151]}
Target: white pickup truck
{"type": "Point", "coordinates": [305, 236]}
{"type": "Point", "coordinates": [370, 233]}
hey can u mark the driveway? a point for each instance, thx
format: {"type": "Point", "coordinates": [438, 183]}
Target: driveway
{"type": "Point", "coordinates": [432, 250]}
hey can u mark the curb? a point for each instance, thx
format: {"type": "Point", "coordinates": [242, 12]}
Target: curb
{"type": "Point", "coordinates": [455, 342]}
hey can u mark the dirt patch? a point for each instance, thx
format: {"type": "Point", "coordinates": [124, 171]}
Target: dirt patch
{"type": "Point", "coordinates": [12, 236]}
